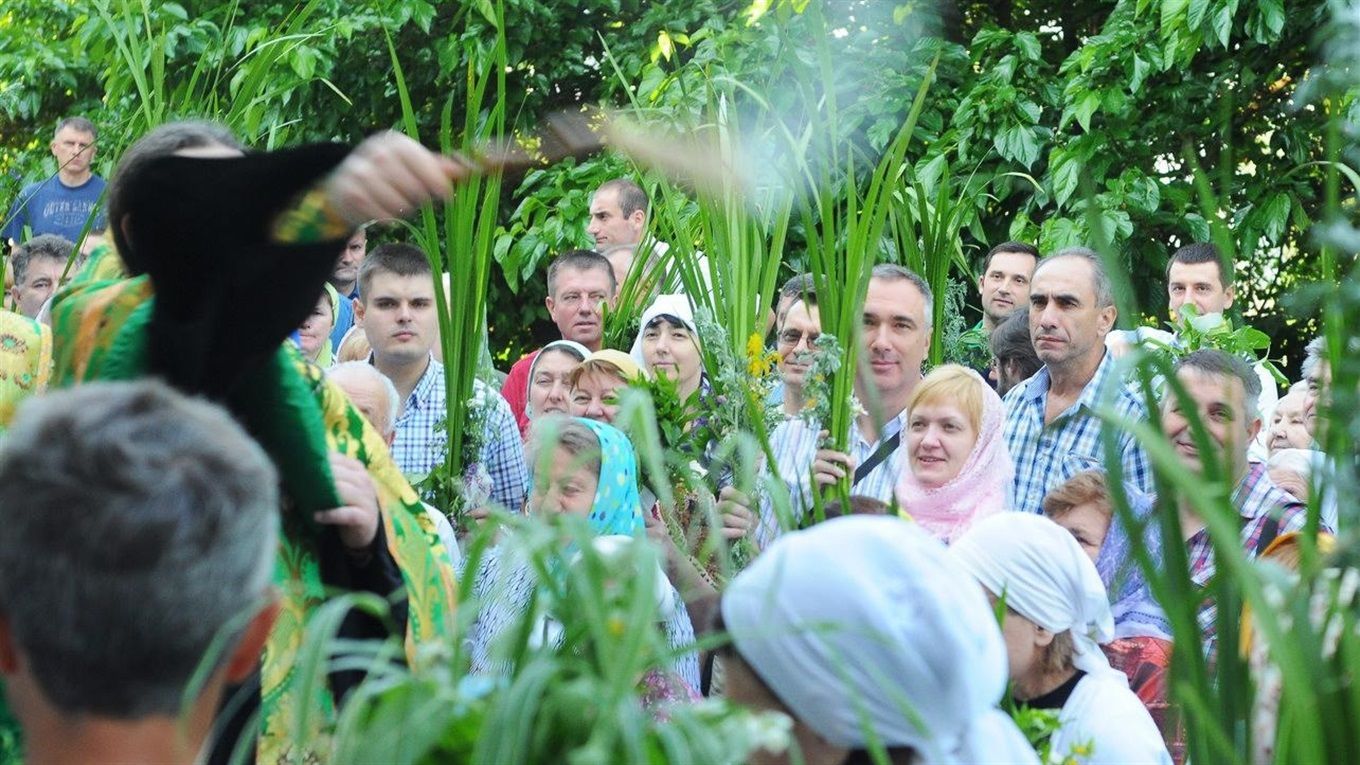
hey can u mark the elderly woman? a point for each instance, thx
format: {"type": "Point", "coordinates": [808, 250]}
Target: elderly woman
{"type": "Point", "coordinates": [1141, 648]}
{"type": "Point", "coordinates": [824, 637]}
{"type": "Point", "coordinates": [1290, 426]}
{"type": "Point", "coordinates": [958, 466]}
{"type": "Point", "coordinates": [585, 469]}
{"type": "Point", "coordinates": [549, 386]}
{"type": "Point", "coordinates": [1056, 614]}
{"type": "Point", "coordinates": [668, 344]}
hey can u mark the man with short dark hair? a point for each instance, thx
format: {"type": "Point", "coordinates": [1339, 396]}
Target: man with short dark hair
{"type": "Point", "coordinates": [1222, 389]}
{"type": "Point", "coordinates": [396, 308]}
{"type": "Point", "coordinates": [1051, 428]}
{"type": "Point", "coordinates": [580, 284]}
{"type": "Point", "coordinates": [896, 337]}
{"type": "Point", "coordinates": [61, 204]}
{"type": "Point", "coordinates": [37, 266]}
{"type": "Point", "coordinates": [141, 529]}
{"type": "Point", "coordinates": [1198, 278]}
{"type": "Point", "coordinates": [618, 213]}
{"type": "Point", "coordinates": [1002, 285]}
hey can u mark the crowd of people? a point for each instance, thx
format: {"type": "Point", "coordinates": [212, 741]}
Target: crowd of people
{"type": "Point", "coordinates": [189, 450]}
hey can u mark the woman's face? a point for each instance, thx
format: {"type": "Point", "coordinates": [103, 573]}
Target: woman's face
{"type": "Point", "coordinates": [549, 390]}
{"type": "Point", "coordinates": [1089, 523]}
{"type": "Point", "coordinates": [316, 330]}
{"type": "Point", "coordinates": [1289, 425]}
{"type": "Point", "coordinates": [566, 486]}
{"type": "Point", "coordinates": [671, 351]}
{"type": "Point", "coordinates": [939, 439]}
{"type": "Point", "coordinates": [595, 397]}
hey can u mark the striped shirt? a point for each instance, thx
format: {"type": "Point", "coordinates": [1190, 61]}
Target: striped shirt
{"type": "Point", "coordinates": [794, 444]}
{"type": "Point", "coordinates": [421, 444]}
{"type": "Point", "coordinates": [1258, 500]}
{"type": "Point", "coordinates": [1045, 456]}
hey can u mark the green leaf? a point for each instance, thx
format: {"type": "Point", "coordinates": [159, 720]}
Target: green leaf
{"type": "Point", "coordinates": [1018, 144]}
{"type": "Point", "coordinates": [1222, 25]}
{"type": "Point", "coordinates": [1089, 103]}
{"type": "Point", "coordinates": [1140, 72]}
{"type": "Point", "coordinates": [1143, 194]}
{"type": "Point", "coordinates": [1057, 233]}
{"type": "Point", "coordinates": [1028, 45]}
{"type": "Point", "coordinates": [1199, 227]}
{"type": "Point", "coordinates": [1274, 217]}
{"type": "Point", "coordinates": [1172, 12]}
{"type": "Point", "coordinates": [1065, 170]}
{"type": "Point", "coordinates": [1196, 11]}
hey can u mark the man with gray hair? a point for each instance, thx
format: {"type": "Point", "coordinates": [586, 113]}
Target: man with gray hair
{"type": "Point", "coordinates": [141, 528]}
{"type": "Point", "coordinates": [1222, 390]}
{"type": "Point", "coordinates": [1051, 429]}
{"type": "Point", "coordinates": [896, 336]}
{"type": "Point", "coordinates": [37, 266]}
{"type": "Point", "coordinates": [62, 203]}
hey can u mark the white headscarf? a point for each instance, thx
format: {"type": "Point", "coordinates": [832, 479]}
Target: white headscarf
{"type": "Point", "coordinates": [864, 622]}
{"type": "Point", "coordinates": [1045, 577]}
{"type": "Point", "coordinates": [676, 305]}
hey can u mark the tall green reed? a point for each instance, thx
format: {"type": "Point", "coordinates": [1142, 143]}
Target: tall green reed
{"type": "Point", "coordinates": [458, 240]}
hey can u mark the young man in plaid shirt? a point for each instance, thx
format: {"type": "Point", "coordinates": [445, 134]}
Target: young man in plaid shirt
{"type": "Point", "coordinates": [1223, 390]}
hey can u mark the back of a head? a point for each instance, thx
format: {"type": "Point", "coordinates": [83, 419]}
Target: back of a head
{"type": "Point", "coordinates": [895, 632]}
{"type": "Point", "coordinates": [161, 142]}
{"type": "Point", "coordinates": [139, 526]}
{"type": "Point", "coordinates": [364, 379]}
{"type": "Point", "coordinates": [397, 258]}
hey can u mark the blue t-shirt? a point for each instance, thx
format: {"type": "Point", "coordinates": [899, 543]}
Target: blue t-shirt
{"type": "Point", "coordinates": [52, 207]}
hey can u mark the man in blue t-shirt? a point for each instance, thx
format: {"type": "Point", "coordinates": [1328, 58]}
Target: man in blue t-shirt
{"type": "Point", "coordinates": [61, 204]}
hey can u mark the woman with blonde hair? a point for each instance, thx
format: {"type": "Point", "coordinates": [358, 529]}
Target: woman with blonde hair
{"type": "Point", "coordinates": [958, 466]}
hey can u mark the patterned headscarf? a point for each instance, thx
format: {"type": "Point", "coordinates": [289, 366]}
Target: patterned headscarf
{"type": "Point", "coordinates": [617, 509]}
{"type": "Point", "coordinates": [25, 361]}
{"type": "Point", "coordinates": [1135, 612]}
{"type": "Point", "coordinates": [979, 490]}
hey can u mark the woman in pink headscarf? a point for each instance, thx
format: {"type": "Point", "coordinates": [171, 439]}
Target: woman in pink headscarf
{"type": "Point", "coordinates": [958, 467]}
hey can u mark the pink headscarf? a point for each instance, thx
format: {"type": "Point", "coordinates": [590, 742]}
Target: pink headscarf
{"type": "Point", "coordinates": [980, 488]}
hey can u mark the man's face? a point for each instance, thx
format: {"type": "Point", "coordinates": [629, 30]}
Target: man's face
{"type": "Point", "coordinates": [1199, 285]}
{"type": "Point", "coordinates": [575, 304]}
{"type": "Point", "coordinates": [802, 326]}
{"type": "Point", "coordinates": [1220, 402]}
{"type": "Point", "coordinates": [1064, 322]}
{"type": "Point", "coordinates": [1005, 285]}
{"type": "Point", "coordinates": [347, 267]}
{"type": "Point", "coordinates": [39, 282]}
{"type": "Point", "coordinates": [608, 225]}
{"type": "Point", "coordinates": [74, 150]}
{"type": "Point", "coordinates": [399, 318]}
{"type": "Point", "coordinates": [896, 334]}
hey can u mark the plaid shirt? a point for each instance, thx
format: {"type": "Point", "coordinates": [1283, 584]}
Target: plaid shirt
{"type": "Point", "coordinates": [421, 444]}
{"type": "Point", "coordinates": [1257, 500]}
{"type": "Point", "coordinates": [1045, 456]}
{"type": "Point", "coordinates": [794, 444]}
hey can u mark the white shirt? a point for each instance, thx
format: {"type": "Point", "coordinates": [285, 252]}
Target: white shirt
{"type": "Point", "coordinates": [1105, 718]}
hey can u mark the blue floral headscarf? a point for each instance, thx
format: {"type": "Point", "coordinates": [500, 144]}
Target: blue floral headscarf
{"type": "Point", "coordinates": [617, 508]}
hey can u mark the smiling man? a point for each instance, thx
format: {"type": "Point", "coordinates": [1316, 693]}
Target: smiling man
{"type": "Point", "coordinates": [1222, 390]}
{"type": "Point", "coordinates": [799, 328]}
{"type": "Point", "coordinates": [895, 337]}
{"type": "Point", "coordinates": [1051, 427]}
{"type": "Point", "coordinates": [580, 284]}
{"type": "Point", "coordinates": [61, 204]}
